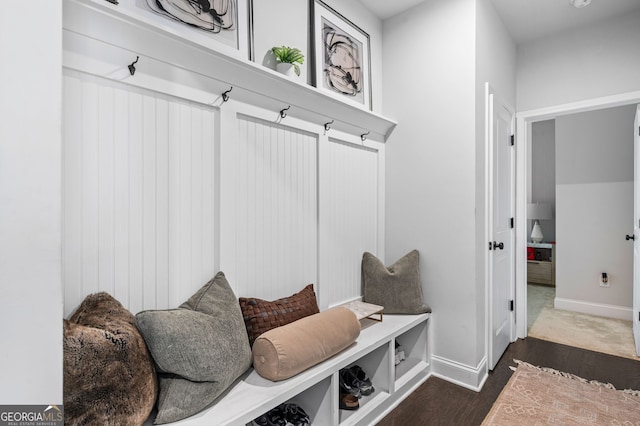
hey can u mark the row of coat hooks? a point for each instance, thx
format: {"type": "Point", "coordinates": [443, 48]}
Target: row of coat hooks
{"type": "Point", "coordinates": [327, 127]}
{"type": "Point", "coordinates": [225, 98]}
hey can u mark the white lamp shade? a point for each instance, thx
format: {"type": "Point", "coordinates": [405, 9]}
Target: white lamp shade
{"type": "Point", "coordinates": [539, 211]}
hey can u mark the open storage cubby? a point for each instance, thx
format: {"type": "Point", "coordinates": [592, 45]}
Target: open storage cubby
{"type": "Point", "coordinates": [376, 365]}
{"type": "Point", "coordinates": [316, 390]}
{"type": "Point", "coordinates": [413, 343]}
{"type": "Point", "coordinates": [315, 401]}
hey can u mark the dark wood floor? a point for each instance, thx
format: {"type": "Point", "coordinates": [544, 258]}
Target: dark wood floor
{"type": "Point", "coordinates": [438, 402]}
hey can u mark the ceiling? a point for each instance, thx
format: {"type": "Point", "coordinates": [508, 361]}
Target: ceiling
{"type": "Point", "coordinates": [527, 20]}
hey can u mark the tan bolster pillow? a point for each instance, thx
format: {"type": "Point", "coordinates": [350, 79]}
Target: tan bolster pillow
{"type": "Point", "coordinates": [285, 351]}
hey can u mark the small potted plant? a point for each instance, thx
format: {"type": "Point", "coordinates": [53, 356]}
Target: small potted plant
{"type": "Point", "coordinates": [288, 58]}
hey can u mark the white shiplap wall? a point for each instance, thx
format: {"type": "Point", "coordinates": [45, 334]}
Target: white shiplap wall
{"type": "Point", "coordinates": [160, 193]}
{"type": "Point", "coordinates": [277, 208]}
{"type": "Point", "coordinates": [138, 198]}
{"type": "Point", "coordinates": [350, 216]}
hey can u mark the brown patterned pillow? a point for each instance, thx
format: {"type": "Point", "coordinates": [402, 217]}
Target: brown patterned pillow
{"type": "Point", "coordinates": [261, 315]}
{"type": "Point", "coordinates": [109, 376]}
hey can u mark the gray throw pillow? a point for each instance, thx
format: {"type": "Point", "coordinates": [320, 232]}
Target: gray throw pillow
{"type": "Point", "coordinates": [199, 349]}
{"type": "Point", "coordinates": [397, 287]}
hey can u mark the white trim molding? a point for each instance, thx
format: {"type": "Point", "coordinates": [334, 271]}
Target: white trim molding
{"type": "Point", "coordinates": [460, 374]}
{"type": "Point", "coordinates": [597, 309]}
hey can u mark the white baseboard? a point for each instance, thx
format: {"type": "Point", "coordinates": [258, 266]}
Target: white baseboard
{"type": "Point", "coordinates": [598, 309]}
{"type": "Point", "coordinates": [460, 374]}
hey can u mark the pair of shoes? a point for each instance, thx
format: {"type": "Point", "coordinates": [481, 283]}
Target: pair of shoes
{"type": "Point", "coordinates": [284, 415]}
{"type": "Point", "coordinates": [348, 402]}
{"type": "Point", "coordinates": [295, 415]}
{"type": "Point", "coordinates": [362, 380]}
{"type": "Point", "coordinates": [347, 385]}
{"type": "Point", "coordinates": [355, 381]}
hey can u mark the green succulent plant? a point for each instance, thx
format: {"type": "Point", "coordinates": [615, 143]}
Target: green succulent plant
{"type": "Point", "coordinates": [289, 55]}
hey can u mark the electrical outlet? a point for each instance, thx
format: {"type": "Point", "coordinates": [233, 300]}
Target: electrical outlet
{"type": "Point", "coordinates": [605, 280]}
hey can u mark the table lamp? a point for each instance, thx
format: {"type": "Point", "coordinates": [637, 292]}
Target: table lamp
{"type": "Point", "coordinates": [537, 212]}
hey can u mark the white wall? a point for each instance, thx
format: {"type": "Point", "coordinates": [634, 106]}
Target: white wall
{"type": "Point", "coordinates": [594, 196]}
{"type": "Point", "coordinates": [30, 194]}
{"type": "Point", "coordinates": [269, 32]}
{"type": "Point", "coordinates": [431, 157]}
{"type": "Point", "coordinates": [599, 60]}
{"type": "Point", "coordinates": [543, 173]}
{"type": "Point", "coordinates": [434, 194]}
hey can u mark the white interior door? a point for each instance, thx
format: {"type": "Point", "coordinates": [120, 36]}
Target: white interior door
{"type": "Point", "coordinates": [501, 224]}
{"type": "Point", "coordinates": [636, 231]}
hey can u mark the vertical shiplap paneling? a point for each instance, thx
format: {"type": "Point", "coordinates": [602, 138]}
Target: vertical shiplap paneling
{"type": "Point", "coordinates": [134, 208]}
{"type": "Point", "coordinates": [89, 187]}
{"type": "Point", "coordinates": [162, 258]}
{"type": "Point", "coordinates": [72, 198]}
{"type": "Point", "coordinates": [350, 225]}
{"type": "Point", "coordinates": [196, 219]}
{"type": "Point", "coordinates": [184, 196]}
{"type": "Point", "coordinates": [149, 202]}
{"type": "Point", "coordinates": [106, 179]}
{"type": "Point", "coordinates": [121, 199]}
{"type": "Point", "coordinates": [138, 202]}
{"type": "Point", "coordinates": [277, 200]}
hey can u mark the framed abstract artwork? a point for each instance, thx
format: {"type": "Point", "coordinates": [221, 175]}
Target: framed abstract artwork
{"type": "Point", "coordinates": [341, 55]}
{"type": "Point", "coordinates": [225, 20]}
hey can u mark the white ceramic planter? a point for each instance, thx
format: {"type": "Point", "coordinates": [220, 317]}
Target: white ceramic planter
{"type": "Point", "coordinates": [286, 69]}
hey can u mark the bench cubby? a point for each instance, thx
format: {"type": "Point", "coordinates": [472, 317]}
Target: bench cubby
{"type": "Point", "coordinates": [412, 342]}
{"type": "Point", "coordinates": [316, 390]}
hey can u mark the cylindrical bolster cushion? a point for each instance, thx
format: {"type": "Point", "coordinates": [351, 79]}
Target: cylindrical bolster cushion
{"type": "Point", "coordinates": [285, 351]}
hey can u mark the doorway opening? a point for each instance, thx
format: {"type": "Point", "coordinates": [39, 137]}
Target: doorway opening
{"type": "Point", "coordinates": [525, 122]}
{"type": "Point", "coordinates": [591, 154]}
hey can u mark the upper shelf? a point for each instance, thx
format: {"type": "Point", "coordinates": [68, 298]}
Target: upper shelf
{"type": "Point", "coordinates": [113, 26]}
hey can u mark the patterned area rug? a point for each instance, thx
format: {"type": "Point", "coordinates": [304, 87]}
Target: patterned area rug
{"type": "Point", "coordinates": [543, 396]}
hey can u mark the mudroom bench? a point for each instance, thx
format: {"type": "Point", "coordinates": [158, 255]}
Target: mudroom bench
{"type": "Point", "coordinates": [316, 390]}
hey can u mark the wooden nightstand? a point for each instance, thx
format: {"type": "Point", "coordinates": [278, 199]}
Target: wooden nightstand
{"type": "Point", "coordinates": [542, 270]}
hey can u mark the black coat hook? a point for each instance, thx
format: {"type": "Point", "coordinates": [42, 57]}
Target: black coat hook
{"type": "Point", "coordinates": [327, 126]}
{"type": "Point", "coordinates": [225, 95]}
{"type": "Point", "coordinates": [283, 114]}
{"type": "Point", "coordinates": [132, 68]}
{"type": "Point", "coordinates": [364, 136]}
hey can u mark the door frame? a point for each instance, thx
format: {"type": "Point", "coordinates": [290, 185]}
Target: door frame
{"type": "Point", "coordinates": [523, 181]}
{"type": "Point", "coordinates": [636, 225]}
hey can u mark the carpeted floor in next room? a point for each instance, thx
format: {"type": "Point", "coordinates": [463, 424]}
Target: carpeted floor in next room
{"type": "Point", "coordinates": [607, 335]}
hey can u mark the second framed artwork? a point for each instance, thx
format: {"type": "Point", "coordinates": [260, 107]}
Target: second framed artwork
{"type": "Point", "coordinates": [342, 66]}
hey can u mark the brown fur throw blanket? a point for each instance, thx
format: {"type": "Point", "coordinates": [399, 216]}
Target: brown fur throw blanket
{"type": "Point", "coordinates": [109, 376]}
